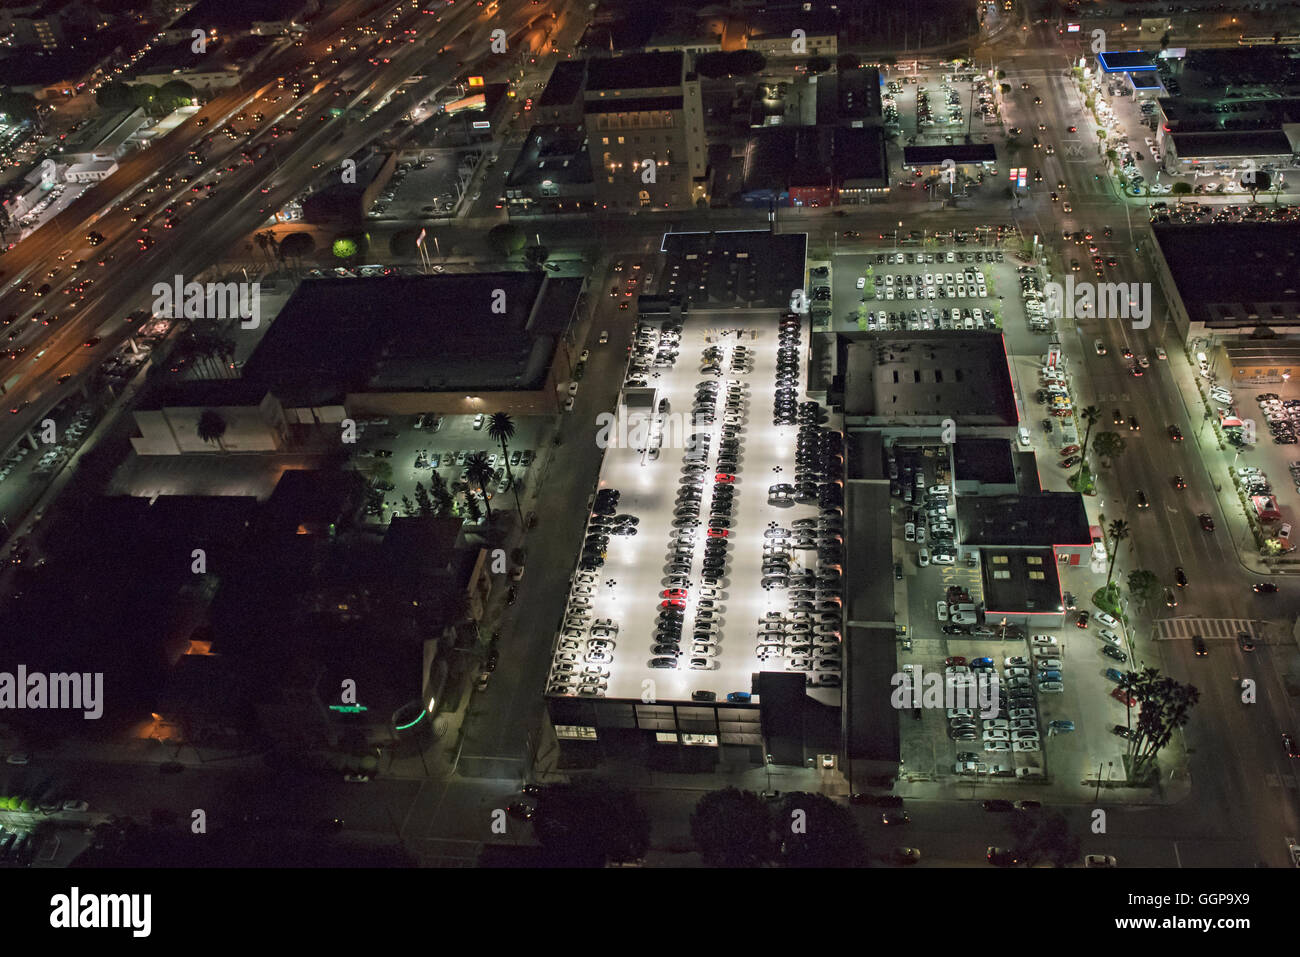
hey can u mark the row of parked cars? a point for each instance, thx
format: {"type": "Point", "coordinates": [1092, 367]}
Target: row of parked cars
{"type": "Point", "coordinates": [670, 627]}
{"type": "Point", "coordinates": [963, 284]}
{"type": "Point", "coordinates": [915, 320]}
{"type": "Point", "coordinates": [653, 348]}
{"type": "Point", "coordinates": [1014, 728]}
{"type": "Point", "coordinates": [585, 648]}
{"type": "Point", "coordinates": [785, 408]}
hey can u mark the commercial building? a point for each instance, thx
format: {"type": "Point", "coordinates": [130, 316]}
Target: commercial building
{"type": "Point", "coordinates": [552, 172]}
{"type": "Point", "coordinates": [108, 137]}
{"type": "Point", "coordinates": [223, 63]}
{"type": "Point", "coordinates": [643, 123]}
{"type": "Point", "coordinates": [812, 166]}
{"type": "Point", "coordinates": [645, 131]}
{"type": "Point", "coordinates": [346, 203]}
{"type": "Point", "coordinates": [1230, 281]}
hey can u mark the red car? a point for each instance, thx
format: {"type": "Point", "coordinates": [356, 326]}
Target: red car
{"type": "Point", "coordinates": [673, 593]}
{"type": "Point", "coordinates": [1288, 742]}
{"type": "Point", "coordinates": [954, 660]}
{"type": "Point", "coordinates": [672, 603]}
{"type": "Point", "coordinates": [1123, 697]}
{"type": "Point", "coordinates": [718, 533]}
{"type": "Point", "coordinates": [1069, 450]}
{"type": "Point", "coordinates": [724, 478]}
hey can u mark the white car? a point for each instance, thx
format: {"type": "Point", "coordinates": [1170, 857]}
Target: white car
{"type": "Point", "coordinates": [573, 388]}
{"type": "Point", "coordinates": [1108, 636]}
{"type": "Point", "coordinates": [1017, 672]}
{"type": "Point", "coordinates": [960, 713]}
{"type": "Point", "coordinates": [586, 354]}
{"type": "Point", "coordinates": [922, 554]}
{"type": "Point", "coordinates": [604, 337]}
{"type": "Point", "coordinates": [1024, 746]}
{"type": "Point", "coordinates": [920, 534]}
{"type": "Point", "coordinates": [942, 558]}
{"type": "Point", "coordinates": [862, 282]}
{"type": "Point", "coordinates": [568, 404]}
{"type": "Point", "coordinates": [1105, 619]}
{"type": "Point", "coordinates": [1022, 713]}
{"type": "Point", "coordinates": [909, 531]}
{"type": "Point", "coordinates": [1019, 661]}
{"type": "Point", "coordinates": [1024, 724]}
{"type": "Point", "coordinates": [997, 746]}
{"type": "Point", "coordinates": [941, 610]}
{"type": "Point", "coordinates": [1049, 663]}
{"type": "Point", "coordinates": [997, 735]}
{"type": "Point", "coordinates": [1025, 735]}
{"type": "Point", "coordinates": [957, 670]}
{"type": "Point", "coordinates": [996, 724]}
{"type": "Point", "coordinates": [1043, 639]}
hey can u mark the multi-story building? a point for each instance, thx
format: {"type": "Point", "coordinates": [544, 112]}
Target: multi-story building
{"type": "Point", "coordinates": [645, 131]}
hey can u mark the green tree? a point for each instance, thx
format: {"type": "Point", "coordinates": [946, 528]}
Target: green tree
{"type": "Point", "coordinates": [502, 428]}
{"type": "Point", "coordinates": [1181, 189]}
{"type": "Point", "coordinates": [296, 246]}
{"type": "Point", "coordinates": [441, 495]}
{"type": "Point", "coordinates": [344, 248]}
{"type": "Point", "coordinates": [732, 828]}
{"type": "Point", "coordinates": [115, 95]}
{"type": "Point", "coordinates": [402, 245]}
{"type": "Point", "coordinates": [590, 822]}
{"type": "Point", "coordinates": [505, 239]}
{"type": "Point", "coordinates": [424, 502]}
{"type": "Point", "coordinates": [818, 64]}
{"type": "Point", "coordinates": [174, 94]}
{"type": "Point", "coordinates": [211, 427]}
{"type": "Point", "coordinates": [479, 473]}
{"type": "Point", "coordinates": [1163, 705]}
{"type": "Point", "coordinates": [1143, 585]}
{"type": "Point", "coordinates": [1044, 837]}
{"type": "Point", "coordinates": [1117, 532]}
{"type": "Point", "coordinates": [826, 836]}
{"type": "Point", "coordinates": [1259, 180]}
{"type": "Point", "coordinates": [145, 96]}
{"type": "Point", "coordinates": [1091, 415]}
{"type": "Point", "coordinates": [536, 256]}
{"type": "Point", "coordinates": [1109, 446]}
{"type": "Point", "coordinates": [473, 511]}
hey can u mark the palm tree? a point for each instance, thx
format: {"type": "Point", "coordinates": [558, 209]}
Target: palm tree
{"type": "Point", "coordinates": [1117, 532]}
{"type": "Point", "coordinates": [1091, 415]}
{"type": "Point", "coordinates": [501, 427]}
{"type": "Point", "coordinates": [479, 472]}
{"type": "Point", "coordinates": [1109, 445]}
{"type": "Point", "coordinates": [211, 427]}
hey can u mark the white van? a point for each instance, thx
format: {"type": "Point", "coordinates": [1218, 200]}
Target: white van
{"type": "Point", "coordinates": [1029, 772]}
{"type": "Point", "coordinates": [1022, 434]}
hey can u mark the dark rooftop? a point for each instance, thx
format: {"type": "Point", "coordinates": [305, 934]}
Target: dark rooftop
{"type": "Point", "coordinates": [923, 376]}
{"type": "Point", "coordinates": [987, 461]}
{"type": "Point", "coordinates": [564, 85]}
{"type": "Point", "coordinates": [1231, 274]}
{"type": "Point", "coordinates": [416, 333]}
{"type": "Point", "coordinates": [780, 157]}
{"type": "Point", "coordinates": [555, 153]}
{"type": "Point", "coordinates": [1043, 520]}
{"type": "Point", "coordinates": [234, 16]}
{"type": "Point", "coordinates": [957, 152]}
{"type": "Point", "coordinates": [629, 104]}
{"type": "Point", "coordinates": [848, 96]}
{"type": "Point", "coordinates": [636, 71]}
{"type": "Point", "coordinates": [1232, 143]}
{"type": "Point", "coordinates": [1121, 61]}
{"type": "Point", "coordinates": [1021, 581]}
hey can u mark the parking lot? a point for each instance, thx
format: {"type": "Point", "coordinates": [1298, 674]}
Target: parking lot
{"type": "Point", "coordinates": [918, 290]}
{"type": "Point", "coordinates": [396, 454]}
{"type": "Point", "coordinates": [714, 548]}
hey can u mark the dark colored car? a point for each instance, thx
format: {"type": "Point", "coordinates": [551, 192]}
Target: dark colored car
{"type": "Point", "coordinates": [1198, 645]}
{"type": "Point", "coordinates": [997, 804]}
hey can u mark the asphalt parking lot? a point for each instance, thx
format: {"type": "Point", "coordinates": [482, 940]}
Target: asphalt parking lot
{"type": "Point", "coordinates": [690, 504]}
{"type": "Point", "coordinates": [882, 302]}
{"type": "Point", "coordinates": [414, 452]}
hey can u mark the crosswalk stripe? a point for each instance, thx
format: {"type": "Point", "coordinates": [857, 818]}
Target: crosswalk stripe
{"type": "Point", "coordinates": [1174, 628]}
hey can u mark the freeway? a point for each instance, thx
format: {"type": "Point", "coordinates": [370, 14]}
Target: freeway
{"type": "Point", "coordinates": [196, 241]}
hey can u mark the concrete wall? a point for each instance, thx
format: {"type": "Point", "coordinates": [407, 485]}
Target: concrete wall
{"type": "Point", "coordinates": [174, 431]}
